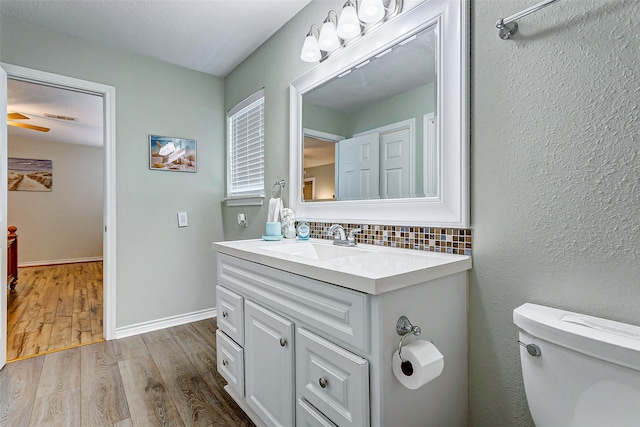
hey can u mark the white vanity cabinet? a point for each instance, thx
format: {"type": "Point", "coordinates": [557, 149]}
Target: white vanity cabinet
{"type": "Point", "coordinates": [301, 351]}
{"type": "Point", "coordinates": [269, 365]}
{"type": "Point", "coordinates": [284, 318]}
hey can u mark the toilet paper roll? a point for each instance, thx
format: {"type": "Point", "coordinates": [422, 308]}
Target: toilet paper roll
{"type": "Point", "coordinates": [426, 360]}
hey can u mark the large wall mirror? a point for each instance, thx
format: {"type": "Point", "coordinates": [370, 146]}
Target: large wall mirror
{"type": "Point", "coordinates": [379, 130]}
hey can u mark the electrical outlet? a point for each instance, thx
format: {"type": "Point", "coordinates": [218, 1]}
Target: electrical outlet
{"type": "Point", "coordinates": [242, 219]}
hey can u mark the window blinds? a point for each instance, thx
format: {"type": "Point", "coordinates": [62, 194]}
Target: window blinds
{"type": "Point", "coordinates": [246, 147]}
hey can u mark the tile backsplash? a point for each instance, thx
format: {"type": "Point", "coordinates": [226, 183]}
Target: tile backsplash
{"type": "Point", "coordinates": [434, 239]}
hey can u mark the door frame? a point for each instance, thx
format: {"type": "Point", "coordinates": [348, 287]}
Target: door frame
{"type": "Point", "coordinates": [108, 94]}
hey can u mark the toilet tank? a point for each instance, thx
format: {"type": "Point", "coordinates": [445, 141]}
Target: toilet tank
{"type": "Point", "coordinates": [588, 370]}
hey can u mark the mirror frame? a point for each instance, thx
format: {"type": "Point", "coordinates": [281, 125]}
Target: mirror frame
{"type": "Point", "coordinates": [450, 207]}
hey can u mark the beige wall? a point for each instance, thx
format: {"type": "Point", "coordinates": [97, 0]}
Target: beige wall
{"type": "Point", "coordinates": [162, 270]}
{"type": "Point", "coordinates": [325, 177]}
{"type": "Point", "coordinates": [66, 223]}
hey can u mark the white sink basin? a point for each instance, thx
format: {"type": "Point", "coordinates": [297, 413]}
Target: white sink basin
{"type": "Point", "coordinates": [316, 251]}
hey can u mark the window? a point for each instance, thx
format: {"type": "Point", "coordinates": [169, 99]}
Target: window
{"type": "Point", "coordinates": [245, 148]}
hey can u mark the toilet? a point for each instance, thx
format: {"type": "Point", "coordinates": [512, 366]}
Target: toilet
{"type": "Point", "coordinates": [579, 370]}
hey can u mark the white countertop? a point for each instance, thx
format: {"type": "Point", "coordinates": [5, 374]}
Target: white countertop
{"type": "Point", "coordinates": [381, 269]}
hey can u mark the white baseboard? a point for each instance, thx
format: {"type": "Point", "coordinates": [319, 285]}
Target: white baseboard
{"type": "Point", "coordinates": [59, 261]}
{"type": "Point", "coordinates": [167, 322]}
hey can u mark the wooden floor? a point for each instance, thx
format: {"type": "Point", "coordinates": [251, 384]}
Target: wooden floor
{"type": "Point", "coordinates": [163, 378]}
{"type": "Point", "coordinates": [54, 307]}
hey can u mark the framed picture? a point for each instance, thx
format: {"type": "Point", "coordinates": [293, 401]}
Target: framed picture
{"type": "Point", "coordinates": [167, 153]}
{"type": "Point", "coordinates": [29, 174]}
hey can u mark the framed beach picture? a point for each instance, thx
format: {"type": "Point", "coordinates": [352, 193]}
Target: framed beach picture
{"type": "Point", "coordinates": [29, 174]}
{"type": "Point", "coordinates": [167, 153]}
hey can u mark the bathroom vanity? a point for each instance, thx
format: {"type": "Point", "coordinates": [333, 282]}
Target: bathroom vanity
{"type": "Point", "coordinates": [307, 332]}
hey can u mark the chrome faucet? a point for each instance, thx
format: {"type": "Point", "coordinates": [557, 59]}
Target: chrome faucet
{"type": "Point", "coordinates": [340, 230]}
{"type": "Point", "coordinates": [342, 240]}
{"type": "Point", "coordinates": [352, 236]}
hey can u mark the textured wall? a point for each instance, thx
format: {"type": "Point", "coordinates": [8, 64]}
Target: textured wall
{"type": "Point", "coordinates": [555, 169]}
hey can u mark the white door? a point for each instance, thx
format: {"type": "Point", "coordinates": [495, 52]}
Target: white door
{"type": "Point", "coordinates": [395, 165]}
{"type": "Point", "coordinates": [358, 161]}
{"type": "Point", "coordinates": [3, 215]}
{"type": "Point", "coordinates": [268, 353]}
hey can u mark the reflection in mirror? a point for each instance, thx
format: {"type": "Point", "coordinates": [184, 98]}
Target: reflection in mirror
{"type": "Point", "coordinates": [370, 132]}
{"type": "Point", "coordinates": [319, 167]}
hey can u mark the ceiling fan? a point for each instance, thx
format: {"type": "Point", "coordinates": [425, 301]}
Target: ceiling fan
{"type": "Point", "coordinates": [11, 117]}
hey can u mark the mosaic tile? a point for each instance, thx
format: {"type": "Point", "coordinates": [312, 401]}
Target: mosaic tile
{"type": "Point", "coordinates": [433, 239]}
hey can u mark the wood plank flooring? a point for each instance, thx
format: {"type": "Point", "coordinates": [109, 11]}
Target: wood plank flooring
{"type": "Point", "coordinates": [54, 307]}
{"type": "Point", "coordinates": [163, 378]}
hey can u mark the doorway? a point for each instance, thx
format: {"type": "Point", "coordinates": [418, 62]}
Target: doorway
{"type": "Point", "coordinates": [55, 200]}
{"type": "Point", "coordinates": [107, 94]}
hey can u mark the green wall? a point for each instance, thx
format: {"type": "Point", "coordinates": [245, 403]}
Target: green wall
{"type": "Point", "coordinates": [273, 66]}
{"type": "Point", "coordinates": [325, 120]}
{"type": "Point", "coordinates": [555, 196]}
{"type": "Point", "coordinates": [162, 271]}
{"type": "Point", "coordinates": [412, 104]}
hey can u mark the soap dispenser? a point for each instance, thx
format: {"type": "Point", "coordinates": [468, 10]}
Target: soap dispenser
{"type": "Point", "coordinates": [304, 231]}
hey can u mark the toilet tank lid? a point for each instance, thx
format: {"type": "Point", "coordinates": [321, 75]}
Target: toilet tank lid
{"type": "Point", "coordinates": [604, 339]}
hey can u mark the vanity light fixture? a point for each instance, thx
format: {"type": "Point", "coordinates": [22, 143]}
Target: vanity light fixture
{"type": "Point", "coordinates": [328, 40]}
{"type": "Point", "coordinates": [371, 11]}
{"type": "Point", "coordinates": [348, 24]}
{"type": "Point", "coordinates": [353, 22]}
{"type": "Point", "coordinates": [310, 49]}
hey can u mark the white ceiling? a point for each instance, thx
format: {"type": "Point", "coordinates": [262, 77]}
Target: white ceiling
{"type": "Point", "coordinates": [34, 101]}
{"type": "Point", "coordinates": [212, 36]}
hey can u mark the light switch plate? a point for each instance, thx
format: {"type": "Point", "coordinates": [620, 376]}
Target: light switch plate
{"type": "Point", "coordinates": [183, 221]}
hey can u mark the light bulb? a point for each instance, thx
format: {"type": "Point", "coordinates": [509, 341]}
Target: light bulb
{"type": "Point", "coordinates": [348, 24]}
{"type": "Point", "coordinates": [328, 40]}
{"type": "Point", "coordinates": [371, 11]}
{"type": "Point", "coordinates": [310, 50]}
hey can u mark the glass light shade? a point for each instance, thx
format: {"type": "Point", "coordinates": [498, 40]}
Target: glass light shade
{"type": "Point", "coordinates": [310, 50]}
{"type": "Point", "coordinates": [328, 39]}
{"type": "Point", "coordinates": [371, 11]}
{"type": "Point", "coordinates": [348, 24]}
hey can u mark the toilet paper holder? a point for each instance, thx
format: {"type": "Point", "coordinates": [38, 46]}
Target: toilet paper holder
{"type": "Point", "coordinates": [404, 328]}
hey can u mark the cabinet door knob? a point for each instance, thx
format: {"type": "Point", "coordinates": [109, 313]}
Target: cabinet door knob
{"type": "Point", "coordinates": [225, 362]}
{"type": "Point", "coordinates": [283, 342]}
{"type": "Point", "coordinates": [225, 314]}
{"type": "Point", "coordinates": [323, 382]}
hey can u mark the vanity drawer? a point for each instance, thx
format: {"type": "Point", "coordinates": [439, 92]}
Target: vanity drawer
{"type": "Point", "coordinates": [332, 379]}
{"type": "Point", "coordinates": [230, 362]}
{"type": "Point", "coordinates": [308, 416]}
{"type": "Point", "coordinates": [334, 312]}
{"type": "Point", "coordinates": [230, 314]}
